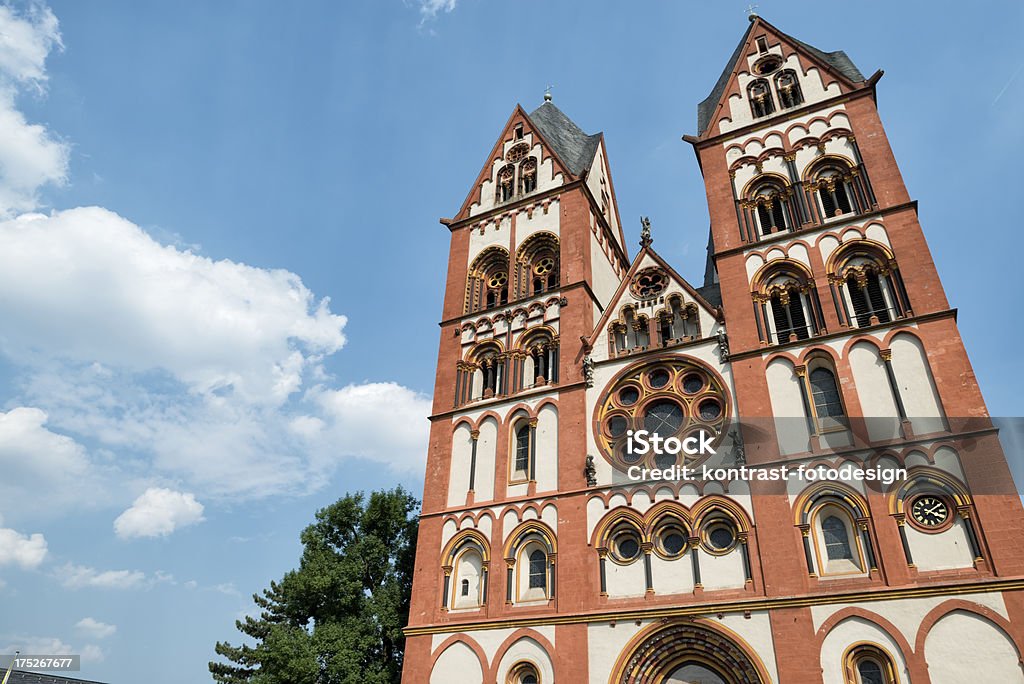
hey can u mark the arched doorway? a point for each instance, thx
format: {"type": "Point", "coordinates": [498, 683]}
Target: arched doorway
{"type": "Point", "coordinates": [687, 653]}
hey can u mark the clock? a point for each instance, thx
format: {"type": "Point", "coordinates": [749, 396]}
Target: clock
{"type": "Point", "coordinates": [929, 511]}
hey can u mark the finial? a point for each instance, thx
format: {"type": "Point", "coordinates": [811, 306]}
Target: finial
{"type": "Point", "coordinates": [751, 12]}
{"type": "Point", "coordinates": [645, 231]}
{"type": "Point", "coordinates": [547, 93]}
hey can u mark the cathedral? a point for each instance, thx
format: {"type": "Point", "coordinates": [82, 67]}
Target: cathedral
{"type": "Point", "coordinates": [552, 550]}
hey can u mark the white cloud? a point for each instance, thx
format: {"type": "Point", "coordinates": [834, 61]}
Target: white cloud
{"type": "Point", "coordinates": [431, 8]}
{"type": "Point", "coordinates": [36, 645]}
{"type": "Point", "coordinates": [30, 156]}
{"type": "Point", "coordinates": [145, 365]}
{"type": "Point", "coordinates": [34, 460]}
{"type": "Point", "coordinates": [94, 629]}
{"type": "Point", "coordinates": [91, 653]}
{"type": "Point", "coordinates": [157, 512]}
{"type": "Point", "coordinates": [25, 551]}
{"type": "Point", "coordinates": [80, 577]}
{"type": "Point", "coordinates": [380, 421]}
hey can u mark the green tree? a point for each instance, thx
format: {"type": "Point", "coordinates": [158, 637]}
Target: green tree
{"type": "Point", "coordinates": [338, 618]}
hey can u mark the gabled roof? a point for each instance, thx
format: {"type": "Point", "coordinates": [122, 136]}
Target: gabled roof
{"type": "Point", "coordinates": [838, 61]}
{"type": "Point", "coordinates": [645, 250]}
{"type": "Point", "coordinates": [573, 146]}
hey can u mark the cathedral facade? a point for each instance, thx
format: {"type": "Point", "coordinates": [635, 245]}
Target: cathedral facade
{"type": "Point", "coordinates": [550, 550]}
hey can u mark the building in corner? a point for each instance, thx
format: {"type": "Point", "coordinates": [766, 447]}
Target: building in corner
{"type": "Point", "coordinates": [821, 336]}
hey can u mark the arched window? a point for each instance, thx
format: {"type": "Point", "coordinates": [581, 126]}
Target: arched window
{"type": "Point", "coordinates": [469, 574]}
{"type": "Point", "coordinates": [833, 184]}
{"type": "Point", "coordinates": [868, 299]}
{"type": "Point", "coordinates": [537, 265]}
{"type": "Point", "coordinates": [788, 87]}
{"type": "Point", "coordinates": [523, 673]}
{"type": "Point", "coordinates": [522, 451]}
{"type": "Point", "coordinates": [531, 564]}
{"type": "Point", "coordinates": [760, 96]}
{"type": "Point", "coordinates": [489, 378]}
{"type": "Point", "coordinates": [825, 398]}
{"type": "Point", "coordinates": [631, 332]}
{"type": "Point", "coordinates": [528, 175]}
{"type": "Point", "coordinates": [770, 201]}
{"type": "Point", "coordinates": [837, 549]}
{"type": "Point", "coordinates": [488, 280]}
{"type": "Point", "coordinates": [869, 664]}
{"type": "Point", "coordinates": [789, 314]}
{"type": "Point", "coordinates": [679, 321]}
{"type": "Point", "coordinates": [538, 569]}
{"type": "Point", "coordinates": [871, 288]}
{"type": "Point", "coordinates": [464, 591]}
{"type": "Point", "coordinates": [837, 541]}
{"type": "Point", "coordinates": [506, 183]}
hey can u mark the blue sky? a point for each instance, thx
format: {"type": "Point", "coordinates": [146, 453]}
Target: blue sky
{"type": "Point", "coordinates": [221, 267]}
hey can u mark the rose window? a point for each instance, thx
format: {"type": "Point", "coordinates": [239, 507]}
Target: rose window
{"type": "Point", "coordinates": [649, 283]}
{"type": "Point", "coordinates": [670, 398]}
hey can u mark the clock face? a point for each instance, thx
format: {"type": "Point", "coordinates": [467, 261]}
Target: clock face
{"type": "Point", "coordinates": [929, 511]}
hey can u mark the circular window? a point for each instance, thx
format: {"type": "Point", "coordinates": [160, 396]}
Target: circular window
{"type": "Point", "coordinates": [720, 537]}
{"type": "Point", "coordinates": [498, 280]}
{"type": "Point", "coordinates": [672, 542]}
{"type": "Point", "coordinates": [544, 265]}
{"type": "Point", "coordinates": [663, 418]}
{"type": "Point", "coordinates": [710, 410]}
{"type": "Point", "coordinates": [617, 426]}
{"type": "Point", "coordinates": [658, 378]}
{"type": "Point", "coordinates": [767, 65]}
{"type": "Point", "coordinates": [626, 546]}
{"type": "Point", "coordinates": [667, 397]}
{"type": "Point", "coordinates": [629, 396]}
{"type": "Point", "coordinates": [649, 282]}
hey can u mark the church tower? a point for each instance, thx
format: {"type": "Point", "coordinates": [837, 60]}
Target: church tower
{"type": "Point", "coordinates": [820, 339]}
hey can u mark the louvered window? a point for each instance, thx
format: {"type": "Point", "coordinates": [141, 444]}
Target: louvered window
{"type": "Point", "coordinates": [789, 318]}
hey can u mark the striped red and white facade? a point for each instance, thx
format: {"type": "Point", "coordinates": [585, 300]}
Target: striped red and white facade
{"type": "Point", "coordinates": [822, 326]}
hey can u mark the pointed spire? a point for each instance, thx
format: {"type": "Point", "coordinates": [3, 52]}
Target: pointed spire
{"type": "Point", "coordinates": [645, 232]}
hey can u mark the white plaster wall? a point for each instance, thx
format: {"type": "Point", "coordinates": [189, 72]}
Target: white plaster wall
{"type": "Point", "coordinates": [490, 640]}
{"type": "Point", "coordinates": [547, 449]}
{"type": "Point", "coordinates": [914, 377]}
{"type": "Point", "coordinates": [962, 646]}
{"type": "Point", "coordinates": [496, 231]}
{"type": "Point", "coordinates": [625, 580]}
{"type": "Point", "coordinates": [547, 177]}
{"type": "Point", "coordinates": [605, 280]}
{"type": "Point", "coordinates": [485, 455]}
{"type": "Point", "coordinates": [855, 630]}
{"type": "Point", "coordinates": [948, 549]}
{"type": "Point", "coordinates": [672, 576]}
{"type": "Point", "coordinates": [721, 572]}
{"type": "Point", "coordinates": [784, 391]}
{"type": "Point", "coordinates": [458, 663]}
{"type": "Point", "coordinates": [873, 390]}
{"type": "Point", "coordinates": [537, 220]}
{"type": "Point", "coordinates": [458, 480]}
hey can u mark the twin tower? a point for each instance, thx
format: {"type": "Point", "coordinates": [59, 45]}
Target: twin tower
{"type": "Point", "coordinates": [821, 336]}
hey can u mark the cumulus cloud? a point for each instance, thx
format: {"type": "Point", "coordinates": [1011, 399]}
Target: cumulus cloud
{"type": "Point", "coordinates": [74, 576]}
{"type": "Point", "coordinates": [142, 364]}
{"type": "Point", "coordinates": [94, 629]}
{"type": "Point", "coordinates": [34, 460]}
{"type": "Point", "coordinates": [51, 645]}
{"type": "Point", "coordinates": [158, 512]}
{"type": "Point", "coordinates": [25, 551]}
{"type": "Point", "coordinates": [30, 156]}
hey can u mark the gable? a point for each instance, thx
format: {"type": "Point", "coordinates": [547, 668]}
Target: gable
{"type": "Point", "coordinates": [821, 74]}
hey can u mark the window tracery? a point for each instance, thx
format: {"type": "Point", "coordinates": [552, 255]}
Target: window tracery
{"type": "Point", "coordinates": [671, 398]}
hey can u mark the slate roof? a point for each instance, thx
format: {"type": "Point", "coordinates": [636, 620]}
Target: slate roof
{"type": "Point", "coordinates": [573, 146]}
{"type": "Point", "coordinates": [838, 60]}
{"type": "Point", "coordinates": [22, 677]}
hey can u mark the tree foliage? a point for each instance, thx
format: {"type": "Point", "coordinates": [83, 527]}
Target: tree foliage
{"type": "Point", "coordinates": [338, 618]}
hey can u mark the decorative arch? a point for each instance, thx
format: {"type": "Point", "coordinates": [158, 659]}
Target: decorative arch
{"type": "Point", "coordinates": [784, 292]}
{"type": "Point", "coordinates": [537, 265]}
{"type": "Point", "coordinates": [922, 477]}
{"type": "Point", "coordinates": [487, 283]}
{"type": "Point", "coordinates": [656, 652]}
{"type": "Point", "coordinates": [954, 605]}
{"type": "Point", "coordinates": [867, 279]}
{"type": "Point", "coordinates": [514, 638]}
{"type": "Point", "coordinates": [530, 563]}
